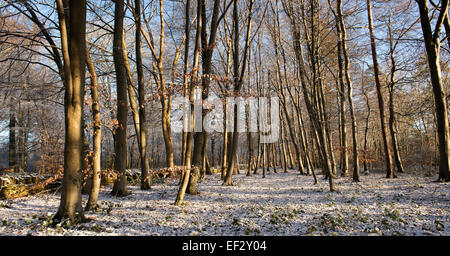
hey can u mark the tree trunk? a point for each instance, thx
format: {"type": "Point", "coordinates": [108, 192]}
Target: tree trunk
{"type": "Point", "coordinates": [341, 88]}
{"type": "Point", "coordinates": [189, 139]}
{"type": "Point", "coordinates": [74, 73]}
{"type": "Point", "coordinates": [366, 129]}
{"type": "Point", "coordinates": [384, 134]}
{"type": "Point", "coordinates": [186, 80]}
{"type": "Point", "coordinates": [224, 148]}
{"type": "Point", "coordinates": [12, 140]}
{"type": "Point", "coordinates": [22, 138]}
{"type": "Point", "coordinates": [343, 39]}
{"type": "Point", "coordinates": [392, 120]}
{"type": "Point", "coordinates": [283, 151]}
{"type": "Point", "coordinates": [120, 185]}
{"type": "Point", "coordinates": [213, 153]}
{"type": "Point", "coordinates": [238, 79]}
{"type": "Point", "coordinates": [146, 177]}
{"type": "Point", "coordinates": [432, 45]}
{"type": "Point", "coordinates": [97, 137]}
{"type": "Point", "coordinates": [200, 138]}
{"type": "Point", "coordinates": [447, 29]}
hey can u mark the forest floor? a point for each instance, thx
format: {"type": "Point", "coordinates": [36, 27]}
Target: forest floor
{"type": "Point", "coordinates": [280, 204]}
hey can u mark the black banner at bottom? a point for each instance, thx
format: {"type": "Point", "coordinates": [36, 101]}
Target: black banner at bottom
{"type": "Point", "coordinates": [225, 245]}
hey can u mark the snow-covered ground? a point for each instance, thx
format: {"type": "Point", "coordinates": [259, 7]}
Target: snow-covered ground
{"type": "Point", "coordinates": [280, 204]}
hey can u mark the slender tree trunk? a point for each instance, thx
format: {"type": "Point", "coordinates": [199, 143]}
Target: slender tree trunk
{"type": "Point", "coordinates": [292, 134]}
{"type": "Point", "coordinates": [187, 168]}
{"type": "Point", "coordinates": [249, 146]}
{"type": "Point", "coordinates": [264, 160]}
{"type": "Point", "coordinates": [185, 78]}
{"type": "Point", "coordinates": [205, 162]}
{"type": "Point", "coordinates": [238, 79]}
{"type": "Point", "coordinates": [200, 138]}
{"type": "Point", "coordinates": [341, 87]}
{"type": "Point", "coordinates": [21, 139]}
{"type": "Point", "coordinates": [384, 134]}
{"type": "Point", "coordinates": [224, 147]}
{"type": "Point", "coordinates": [291, 157]}
{"type": "Point", "coordinates": [132, 95]}
{"type": "Point", "coordinates": [392, 120]}
{"type": "Point", "coordinates": [447, 29]}
{"type": "Point", "coordinates": [366, 130]}
{"type": "Point", "coordinates": [97, 136]}
{"type": "Point", "coordinates": [349, 91]}
{"type": "Point", "coordinates": [120, 163]}
{"type": "Point", "coordinates": [166, 100]}
{"type": "Point", "coordinates": [146, 177]}
{"type": "Point", "coordinates": [282, 96]}
{"type": "Point", "coordinates": [284, 158]}
{"type": "Point", "coordinates": [12, 141]}
{"type": "Point", "coordinates": [432, 45]}
{"type": "Point", "coordinates": [274, 158]}
{"type": "Point", "coordinates": [316, 105]}
{"type": "Point", "coordinates": [250, 149]}
{"type": "Point", "coordinates": [213, 153]}
{"type": "Point", "coordinates": [304, 143]}
{"type": "Point", "coordinates": [165, 96]}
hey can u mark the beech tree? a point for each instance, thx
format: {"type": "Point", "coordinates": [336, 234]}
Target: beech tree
{"type": "Point", "coordinates": [97, 136]}
{"type": "Point", "coordinates": [120, 140]}
{"type": "Point", "coordinates": [239, 72]}
{"type": "Point", "coordinates": [432, 46]}
{"type": "Point", "coordinates": [384, 134]}
{"type": "Point", "coordinates": [73, 44]}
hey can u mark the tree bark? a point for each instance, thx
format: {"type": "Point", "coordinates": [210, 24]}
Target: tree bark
{"type": "Point", "coordinates": [73, 47]}
{"type": "Point", "coordinates": [348, 80]}
{"type": "Point", "coordinates": [97, 136]}
{"type": "Point", "coordinates": [384, 134]}
{"type": "Point", "coordinates": [208, 46]}
{"type": "Point", "coordinates": [366, 129]}
{"type": "Point", "coordinates": [22, 138]}
{"type": "Point", "coordinates": [392, 120]}
{"type": "Point", "coordinates": [238, 80]}
{"type": "Point", "coordinates": [146, 178]}
{"type": "Point", "coordinates": [120, 185]}
{"type": "Point", "coordinates": [432, 45]}
{"type": "Point", "coordinates": [12, 163]}
{"type": "Point", "coordinates": [187, 168]}
{"type": "Point", "coordinates": [341, 87]}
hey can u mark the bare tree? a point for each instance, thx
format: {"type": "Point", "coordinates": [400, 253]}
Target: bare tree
{"type": "Point", "coordinates": [120, 185]}
{"type": "Point", "coordinates": [342, 35]}
{"type": "Point", "coordinates": [432, 45]}
{"type": "Point", "coordinates": [73, 42]}
{"type": "Point", "coordinates": [384, 134]}
{"type": "Point", "coordinates": [97, 136]}
{"type": "Point", "coordinates": [239, 73]}
{"type": "Point", "coordinates": [189, 136]}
